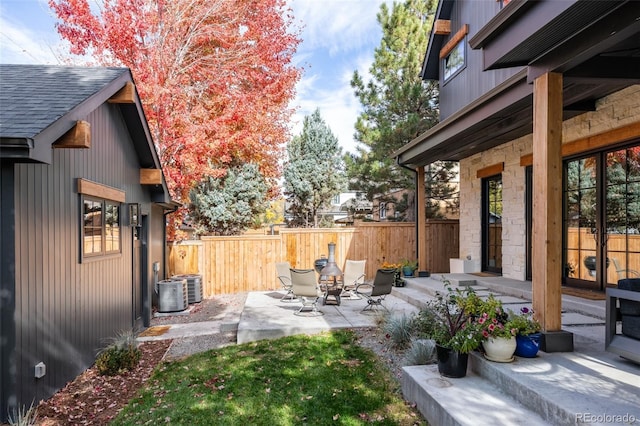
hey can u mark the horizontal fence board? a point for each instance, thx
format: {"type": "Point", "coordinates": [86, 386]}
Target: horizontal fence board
{"type": "Point", "coordinates": [247, 262]}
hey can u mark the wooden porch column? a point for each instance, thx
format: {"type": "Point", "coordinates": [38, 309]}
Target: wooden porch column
{"type": "Point", "coordinates": [547, 211]}
{"type": "Point", "coordinates": [421, 220]}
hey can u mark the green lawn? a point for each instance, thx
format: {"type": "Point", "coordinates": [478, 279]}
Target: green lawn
{"type": "Point", "coordinates": [313, 380]}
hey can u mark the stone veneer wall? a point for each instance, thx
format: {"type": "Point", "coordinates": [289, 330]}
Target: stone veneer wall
{"type": "Point", "coordinates": [617, 110]}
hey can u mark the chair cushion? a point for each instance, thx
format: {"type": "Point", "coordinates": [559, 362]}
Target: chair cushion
{"type": "Point", "coordinates": [629, 307]}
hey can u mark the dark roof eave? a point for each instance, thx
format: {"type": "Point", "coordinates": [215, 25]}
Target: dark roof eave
{"type": "Point", "coordinates": [431, 65]}
{"type": "Point", "coordinates": [533, 28]}
{"type": "Point", "coordinates": [415, 153]}
{"type": "Point", "coordinates": [507, 14]}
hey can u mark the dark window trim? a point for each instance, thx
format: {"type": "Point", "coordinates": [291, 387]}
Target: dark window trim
{"type": "Point", "coordinates": [103, 253]}
{"type": "Point", "coordinates": [463, 66]}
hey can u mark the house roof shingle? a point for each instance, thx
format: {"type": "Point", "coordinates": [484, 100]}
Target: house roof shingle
{"type": "Point", "coordinates": [32, 97]}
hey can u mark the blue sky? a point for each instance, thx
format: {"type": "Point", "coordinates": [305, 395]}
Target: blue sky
{"type": "Point", "coordinates": [339, 37]}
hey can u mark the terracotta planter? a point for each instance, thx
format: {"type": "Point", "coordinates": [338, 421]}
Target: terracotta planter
{"type": "Point", "coordinates": [499, 349]}
{"type": "Point", "coordinates": [451, 363]}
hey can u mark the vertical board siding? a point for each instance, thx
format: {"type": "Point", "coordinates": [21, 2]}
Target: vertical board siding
{"type": "Point", "coordinates": [247, 262]}
{"type": "Point", "coordinates": [472, 82]}
{"type": "Point", "coordinates": [65, 308]}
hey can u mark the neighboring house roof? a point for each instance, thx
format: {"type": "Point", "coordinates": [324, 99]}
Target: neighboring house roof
{"type": "Point", "coordinates": [596, 45]}
{"type": "Point", "coordinates": [40, 103]}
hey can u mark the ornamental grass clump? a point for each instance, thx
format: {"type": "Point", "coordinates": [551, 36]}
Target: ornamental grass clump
{"type": "Point", "coordinates": [120, 355]}
{"type": "Point", "coordinates": [398, 330]}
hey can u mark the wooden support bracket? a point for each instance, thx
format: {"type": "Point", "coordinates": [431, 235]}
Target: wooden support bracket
{"type": "Point", "coordinates": [457, 38]}
{"type": "Point", "coordinates": [442, 27]}
{"type": "Point", "coordinates": [79, 136]}
{"type": "Point", "coordinates": [126, 95]}
{"type": "Point", "coordinates": [150, 177]}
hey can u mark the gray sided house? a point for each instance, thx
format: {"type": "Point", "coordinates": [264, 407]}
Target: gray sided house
{"type": "Point", "coordinates": [540, 104]}
{"type": "Point", "coordinates": [82, 212]}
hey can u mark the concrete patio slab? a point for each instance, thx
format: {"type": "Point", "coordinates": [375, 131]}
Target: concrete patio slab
{"type": "Point", "coordinates": [265, 316]}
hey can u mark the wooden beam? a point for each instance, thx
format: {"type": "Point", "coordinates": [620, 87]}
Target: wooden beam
{"type": "Point", "coordinates": [126, 95]}
{"type": "Point", "coordinates": [457, 37]}
{"type": "Point", "coordinates": [490, 170]}
{"type": "Point", "coordinates": [547, 201]}
{"type": "Point", "coordinates": [590, 143]}
{"type": "Point", "coordinates": [442, 27]}
{"type": "Point", "coordinates": [150, 177]}
{"type": "Point", "coordinates": [78, 137]}
{"type": "Point", "coordinates": [421, 221]}
{"type": "Point", "coordinates": [99, 190]}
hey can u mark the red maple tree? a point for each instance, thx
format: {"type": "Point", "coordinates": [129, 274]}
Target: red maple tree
{"type": "Point", "coordinates": [215, 77]}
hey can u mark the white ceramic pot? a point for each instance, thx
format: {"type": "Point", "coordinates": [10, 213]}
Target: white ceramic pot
{"type": "Point", "coordinates": [499, 349]}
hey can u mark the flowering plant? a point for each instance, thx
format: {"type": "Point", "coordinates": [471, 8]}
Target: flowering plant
{"type": "Point", "coordinates": [492, 321]}
{"type": "Point", "coordinates": [525, 323]}
{"type": "Point", "coordinates": [389, 265]}
{"type": "Point", "coordinates": [492, 327]}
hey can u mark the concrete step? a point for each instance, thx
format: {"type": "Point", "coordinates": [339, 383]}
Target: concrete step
{"type": "Point", "coordinates": [468, 401]}
{"type": "Point", "coordinates": [558, 389]}
{"type": "Point", "coordinates": [589, 385]}
{"type": "Point", "coordinates": [418, 291]}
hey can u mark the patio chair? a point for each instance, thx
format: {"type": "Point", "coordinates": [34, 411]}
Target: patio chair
{"type": "Point", "coordinates": [376, 292]}
{"type": "Point", "coordinates": [284, 275]}
{"type": "Point", "coordinates": [305, 289]}
{"type": "Point", "coordinates": [353, 275]}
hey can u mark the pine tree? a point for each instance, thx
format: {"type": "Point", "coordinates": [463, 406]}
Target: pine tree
{"type": "Point", "coordinates": [314, 173]}
{"type": "Point", "coordinates": [228, 205]}
{"type": "Point", "coordinates": [397, 107]}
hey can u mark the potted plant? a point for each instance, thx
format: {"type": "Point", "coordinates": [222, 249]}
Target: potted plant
{"type": "Point", "coordinates": [497, 331]}
{"type": "Point", "coordinates": [398, 282]}
{"type": "Point", "coordinates": [408, 267]}
{"type": "Point", "coordinates": [527, 333]}
{"type": "Point", "coordinates": [447, 321]}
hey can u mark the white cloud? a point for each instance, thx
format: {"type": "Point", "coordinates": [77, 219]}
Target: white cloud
{"type": "Point", "coordinates": [337, 26]}
{"type": "Point", "coordinates": [27, 35]}
{"type": "Point", "coordinates": [338, 38]}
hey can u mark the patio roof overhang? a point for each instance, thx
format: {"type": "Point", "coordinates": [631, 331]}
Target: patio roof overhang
{"type": "Point", "coordinates": [596, 48]}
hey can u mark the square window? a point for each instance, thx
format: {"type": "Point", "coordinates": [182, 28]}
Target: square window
{"type": "Point", "coordinates": [100, 227]}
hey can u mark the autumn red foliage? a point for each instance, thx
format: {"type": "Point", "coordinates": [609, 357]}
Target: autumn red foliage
{"type": "Point", "coordinates": [215, 77]}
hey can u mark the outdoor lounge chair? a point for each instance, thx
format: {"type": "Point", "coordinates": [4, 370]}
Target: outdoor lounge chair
{"type": "Point", "coordinates": [353, 275]}
{"type": "Point", "coordinates": [623, 272]}
{"type": "Point", "coordinates": [284, 275]}
{"type": "Point", "coordinates": [305, 289]}
{"type": "Point", "coordinates": [376, 292]}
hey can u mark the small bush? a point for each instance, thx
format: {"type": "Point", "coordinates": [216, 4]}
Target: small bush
{"type": "Point", "coordinates": [120, 355]}
{"type": "Point", "coordinates": [421, 352]}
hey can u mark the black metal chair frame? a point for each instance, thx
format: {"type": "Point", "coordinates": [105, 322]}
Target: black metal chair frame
{"type": "Point", "coordinates": [379, 289]}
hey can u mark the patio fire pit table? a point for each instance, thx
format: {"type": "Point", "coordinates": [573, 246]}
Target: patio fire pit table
{"type": "Point", "coordinates": [332, 289]}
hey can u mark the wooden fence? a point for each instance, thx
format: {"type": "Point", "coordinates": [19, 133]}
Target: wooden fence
{"type": "Point", "coordinates": [247, 262]}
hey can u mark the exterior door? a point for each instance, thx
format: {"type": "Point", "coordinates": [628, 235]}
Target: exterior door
{"type": "Point", "coordinates": [602, 218]}
{"type": "Point", "coordinates": [492, 224]}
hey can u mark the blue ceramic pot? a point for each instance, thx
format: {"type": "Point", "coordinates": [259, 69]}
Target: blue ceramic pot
{"type": "Point", "coordinates": [527, 346]}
